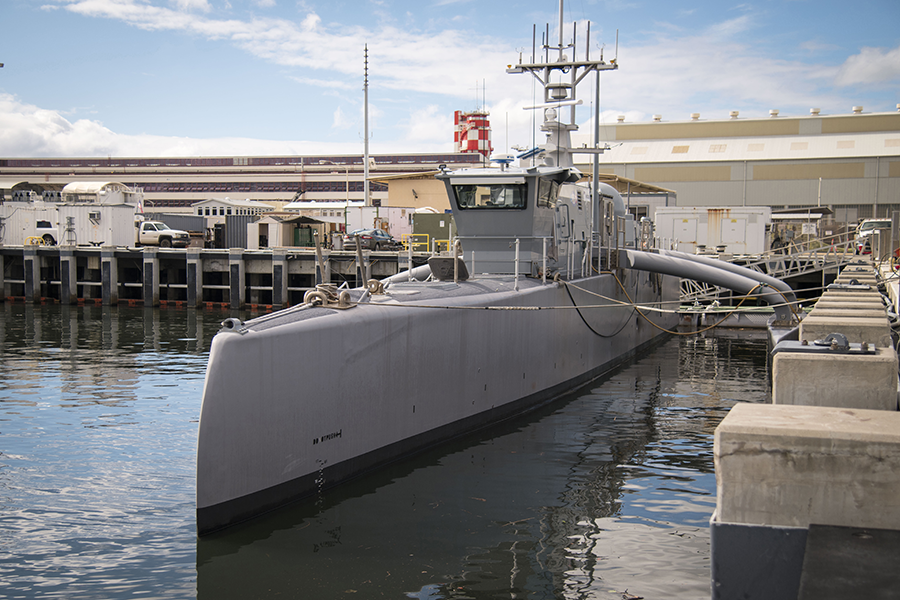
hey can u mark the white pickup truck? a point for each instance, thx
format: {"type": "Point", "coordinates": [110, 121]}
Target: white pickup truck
{"type": "Point", "coordinates": [157, 233]}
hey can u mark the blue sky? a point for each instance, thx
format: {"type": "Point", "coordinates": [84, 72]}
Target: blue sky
{"type": "Point", "coordinates": [258, 77]}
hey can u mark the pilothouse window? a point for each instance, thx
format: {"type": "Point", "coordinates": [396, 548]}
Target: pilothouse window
{"type": "Point", "coordinates": [548, 192]}
{"type": "Point", "coordinates": [490, 196]}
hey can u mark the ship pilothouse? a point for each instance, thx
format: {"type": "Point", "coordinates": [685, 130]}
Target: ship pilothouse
{"type": "Point", "coordinates": [537, 217]}
{"type": "Point", "coordinates": [505, 213]}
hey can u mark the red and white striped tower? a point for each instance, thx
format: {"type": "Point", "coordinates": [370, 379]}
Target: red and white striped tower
{"type": "Point", "coordinates": [472, 132]}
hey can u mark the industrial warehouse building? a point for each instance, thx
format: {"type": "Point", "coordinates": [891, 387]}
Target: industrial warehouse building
{"type": "Point", "coordinates": [178, 183]}
{"type": "Point", "coordinates": [847, 163]}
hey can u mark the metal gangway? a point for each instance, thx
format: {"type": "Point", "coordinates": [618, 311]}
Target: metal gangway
{"type": "Point", "coordinates": [823, 255]}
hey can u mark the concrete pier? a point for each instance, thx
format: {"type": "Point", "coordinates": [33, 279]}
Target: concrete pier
{"type": "Point", "coordinates": [793, 466]}
{"type": "Point", "coordinates": [863, 381]}
{"type": "Point", "coordinates": [192, 277]}
{"type": "Point", "coordinates": [857, 328]}
{"type": "Point", "coordinates": [838, 379]}
{"type": "Point", "coordinates": [824, 456]}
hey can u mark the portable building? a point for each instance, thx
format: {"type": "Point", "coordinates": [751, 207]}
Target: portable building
{"type": "Point", "coordinates": [733, 230]}
{"type": "Point", "coordinates": [67, 224]}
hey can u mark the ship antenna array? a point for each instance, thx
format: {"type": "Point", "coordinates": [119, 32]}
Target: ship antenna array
{"type": "Point", "coordinates": [564, 93]}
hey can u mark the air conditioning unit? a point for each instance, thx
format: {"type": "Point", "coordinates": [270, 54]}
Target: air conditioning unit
{"type": "Point", "coordinates": [94, 215]}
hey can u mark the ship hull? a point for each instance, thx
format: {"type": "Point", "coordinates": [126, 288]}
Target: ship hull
{"type": "Point", "coordinates": [292, 407]}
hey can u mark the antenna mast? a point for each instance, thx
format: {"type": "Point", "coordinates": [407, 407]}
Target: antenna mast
{"type": "Point", "coordinates": [558, 150]}
{"type": "Point", "coordinates": [366, 201]}
{"type": "Point", "coordinates": [569, 71]}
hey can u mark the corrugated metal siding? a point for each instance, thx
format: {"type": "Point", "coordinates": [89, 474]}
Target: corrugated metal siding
{"type": "Point", "coordinates": [811, 147]}
{"type": "Point", "coordinates": [832, 170]}
{"type": "Point", "coordinates": [706, 129]}
{"type": "Point", "coordinates": [684, 173]}
{"type": "Point", "coordinates": [236, 230]}
{"type": "Point", "coordinates": [853, 124]}
{"type": "Point", "coordinates": [184, 222]}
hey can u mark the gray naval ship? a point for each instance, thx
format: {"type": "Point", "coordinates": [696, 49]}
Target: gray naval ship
{"type": "Point", "coordinates": [548, 287]}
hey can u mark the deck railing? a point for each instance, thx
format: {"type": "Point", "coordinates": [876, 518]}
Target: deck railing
{"type": "Point", "coordinates": [825, 255]}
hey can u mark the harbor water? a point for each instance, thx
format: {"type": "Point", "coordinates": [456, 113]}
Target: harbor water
{"type": "Point", "coordinates": [604, 494]}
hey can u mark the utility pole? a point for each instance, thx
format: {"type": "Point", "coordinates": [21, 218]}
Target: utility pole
{"type": "Point", "coordinates": [366, 201]}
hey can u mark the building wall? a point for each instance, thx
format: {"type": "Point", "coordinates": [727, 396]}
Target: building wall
{"type": "Point", "coordinates": [428, 193]}
{"type": "Point", "coordinates": [180, 182]}
{"type": "Point", "coordinates": [776, 162]}
{"type": "Point", "coordinates": [738, 128]}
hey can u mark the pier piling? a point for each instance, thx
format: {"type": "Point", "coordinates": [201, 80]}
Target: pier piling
{"type": "Point", "coordinates": [194, 276]}
{"type": "Point", "coordinates": [191, 277]}
{"type": "Point", "coordinates": [151, 277]}
{"type": "Point", "coordinates": [109, 276]}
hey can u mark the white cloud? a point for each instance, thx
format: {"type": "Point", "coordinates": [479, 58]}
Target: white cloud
{"type": "Point", "coordinates": [816, 46]}
{"type": "Point", "coordinates": [26, 130]}
{"type": "Point", "coordinates": [427, 124]}
{"type": "Point", "coordinates": [325, 83]}
{"type": "Point", "coordinates": [189, 5]}
{"type": "Point", "coordinates": [339, 121]}
{"type": "Point", "coordinates": [730, 28]}
{"type": "Point", "coordinates": [442, 63]}
{"type": "Point", "coordinates": [871, 66]}
{"type": "Point", "coordinates": [709, 73]}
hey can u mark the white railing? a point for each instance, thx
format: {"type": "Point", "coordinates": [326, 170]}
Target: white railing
{"type": "Point", "coordinates": [824, 255]}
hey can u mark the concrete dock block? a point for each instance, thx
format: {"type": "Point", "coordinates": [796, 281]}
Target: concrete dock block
{"type": "Point", "coordinates": [854, 304]}
{"type": "Point", "coordinates": [867, 279]}
{"type": "Point", "coordinates": [856, 273]}
{"type": "Point", "coordinates": [836, 380]}
{"type": "Point", "coordinates": [858, 268]}
{"type": "Point", "coordinates": [852, 294]}
{"type": "Point", "coordinates": [857, 312]}
{"type": "Point", "coordinates": [871, 330]}
{"type": "Point", "coordinates": [792, 466]}
{"type": "Point", "coordinates": [860, 296]}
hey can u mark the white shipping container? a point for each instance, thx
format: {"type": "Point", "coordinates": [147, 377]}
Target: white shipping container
{"type": "Point", "coordinates": [90, 225]}
{"type": "Point", "coordinates": [740, 230]}
{"type": "Point", "coordinates": [396, 221]}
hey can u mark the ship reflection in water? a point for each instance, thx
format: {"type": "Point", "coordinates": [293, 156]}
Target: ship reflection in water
{"type": "Point", "coordinates": [607, 494]}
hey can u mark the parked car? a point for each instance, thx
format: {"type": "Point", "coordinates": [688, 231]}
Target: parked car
{"type": "Point", "coordinates": [157, 233]}
{"type": "Point", "coordinates": [371, 239]}
{"type": "Point", "coordinates": [864, 233]}
{"type": "Point", "coordinates": [47, 232]}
